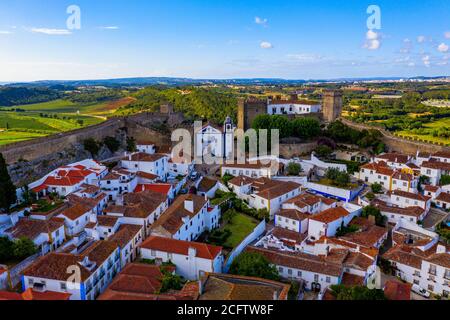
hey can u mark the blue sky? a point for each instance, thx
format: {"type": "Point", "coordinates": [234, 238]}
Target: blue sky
{"type": "Point", "coordinates": [223, 39]}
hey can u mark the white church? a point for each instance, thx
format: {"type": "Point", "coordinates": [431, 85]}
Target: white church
{"type": "Point", "coordinates": [215, 141]}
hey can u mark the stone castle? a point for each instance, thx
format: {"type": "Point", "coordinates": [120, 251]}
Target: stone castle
{"type": "Point", "coordinates": [330, 110]}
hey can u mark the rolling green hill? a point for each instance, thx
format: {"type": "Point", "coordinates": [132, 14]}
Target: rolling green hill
{"type": "Point", "coordinates": [24, 122]}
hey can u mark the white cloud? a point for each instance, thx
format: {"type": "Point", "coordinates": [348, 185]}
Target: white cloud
{"type": "Point", "coordinates": [421, 39]}
{"type": "Point", "coordinates": [411, 64]}
{"type": "Point", "coordinates": [426, 61]}
{"type": "Point", "coordinates": [305, 57]}
{"type": "Point", "coordinates": [373, 41]}
{"type": "Point", "coordinates": [447, 34]}
{"type": "Point", "coordinates": [266, 45]}
{"type": "Point", "coordinates": [261, 21]}
{"type": "Point", "coordinates": [52, 32]}
{"type": "Point", "coordinates": [443, 47]}
{"type": "Point", "coordinates": [5, 32]}
{"type": "Point", "coordinates": [110, 28]}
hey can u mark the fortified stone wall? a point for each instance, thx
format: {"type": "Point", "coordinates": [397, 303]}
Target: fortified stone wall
{"type": "Point", "coordinates": [397, 144]}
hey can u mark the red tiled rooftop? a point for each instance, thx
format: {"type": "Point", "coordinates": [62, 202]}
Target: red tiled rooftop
{"type": "Point", "coordinates": [204, 250]}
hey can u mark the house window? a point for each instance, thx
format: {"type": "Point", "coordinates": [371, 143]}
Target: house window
{"type": "Point", "coordinates": [153, 253]}
{"type": "Point", "coordinates": [299, 273]}
{"type": "Point", "coordinates": [316, 278]}
{"type": "Point", "coordinates": [328, 279]}
{"type": "Point", "coordinates": [63, 286]}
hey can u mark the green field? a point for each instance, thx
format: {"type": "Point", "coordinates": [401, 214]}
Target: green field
{"type": "Point", "coordinates": [429, 127]}
{"type": "Point", "coordinates": [241, 226]}
{"type": "Point", "coordinates": [41, 119]}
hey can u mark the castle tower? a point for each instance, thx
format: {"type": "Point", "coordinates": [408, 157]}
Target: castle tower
{"type": "Point", "coordinates": [248, 110]}
{"type": "Point", "coordinates": [332, 105]}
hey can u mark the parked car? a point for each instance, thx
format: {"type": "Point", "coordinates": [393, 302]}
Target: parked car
{"type": "Point", "coordinates": [193, 176]}
{"type": "Point", "coordinates": [420, 291]}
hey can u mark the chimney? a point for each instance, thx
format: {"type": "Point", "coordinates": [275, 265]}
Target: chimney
{"type": "Point", "coordinates": [189, 205]}
{"type": "Point", "coordinates": [441, 249]}
{"type": "Point", "coordinates": [275, 295]}
{"type": "Point", "coordinates": [192, 252]}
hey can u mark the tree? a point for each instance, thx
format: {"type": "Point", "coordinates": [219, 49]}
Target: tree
{"type": "Point", "coordinates": [23, 248]}
{"type": "Point", "coordinates": [229, 215]}
{"type": "Point", "coordinates": [170, 282]}
{"type": "Point", "coordinates": [112, 144]}
{"type": "Point", "coordinates": [323, 151]}
{"type": "Point", "coordinates": [342, 292]}
{"type": "Point", "coordinates": [6, 250]}
{"type": "Point", "coordinates": [373, 211]}
{"type": "Point", "coordinates": [294, 169]}
{"type": "Point", "coordinates": [253, 264]}
{"type": "Point", "coordinates": [7, 189]}
{"type": "Point", "coordinates": [263, 214]}
{"type": "Point", "coordinates": [92, 146]}
{"type": "Point", "coordinates": [377, 188]}
{"type": "Point", "coordinates": [131, 144]}
{"type": "Point", "coordinates": [80, 122]}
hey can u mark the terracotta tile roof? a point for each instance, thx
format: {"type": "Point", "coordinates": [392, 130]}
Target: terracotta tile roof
{"type": "Point", "coordinates": [436, 165]}
{"type": "Point", "coordinates": [396, 290]}
{"type": "Point", "coordinates": [11, 296]}
{"type": "Point", "coordinates": [410, 195]}
{"type": "Point", "coordinates": [62, 181]}
{"type": "Point", "coordinates": [138, 205]}
{"type": "Point", "coordinates": [249, 165]}
{"type": "Point", "coordinates": [299, 261]}
{"type": "Point", "coordinates": [231, 287]}
{"type": "Point", "coordinates": [398, 175]}
{"type": "Point", "coordinates": [444, 197]}
{"type": "Point", "coordinates": [409, 211]}
{"type": "Point", "coordinates": [351, 280]}
{"type": "Point", "coordinates": [288, 237]}
{"type": "Point", "coordinates": [204, 250]}
{"type": "Point", "coordinates": [293, 214]}
{"type": "Point", "coordinates": [330, 215]}
{"type": "Point", "coordinates": [125, 234]}
{"type": "Point", "coordinates": [379, 168]}
{"type": "Point", "coordinates": [144, 142]}
{"type": "Point", "coordinates": [402, 254]}
{"type": "Point", "coordinates": [54, 266]}
{"type": "Point", "coordinates": [89, 188]}
{"type": "Point", "coordinates": [442, 154]}
{"type": "Point", "coordinates": [30, 294]}
{"type": "Point", "coordinates": [431, 188]}
{"type": "Point", "coordinates": [278, 190]}
{"type": "Point", "coordinates": [442, 259]}
{"type": "Point", "coordinates": [358, 260]}
{"type": "Point", "coordinates": [31, 228]}
{"type": "Point", "coordinates": [171, 220]}
{"type": "Point", "coordinates": [90, 203]}
{"type": "Point", "coordinates": [111, 176]}
{"type": "Point", "coordinates": [144, 157]}
{"type": "Point", "coordinates": [241, 181]}
{"type": "Point", "coordinates": [366, 238]}
{"type": "Point", "coordinates": [304, 102]}
{"type": "Point", "coordinates": [146, 175]}
{"type": "Point", "coordinates": [76, 211]}
{"type": "Point", "coordinates": [206, 184]}
{"type": "Point", "coordinates": [107, 221]}
{"type": "Point", "coordinates": [305, 199]}
{"type": "Point", "coordinates": [159, 188]}
{"type": "Point", "coordinates": [394, 157]}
